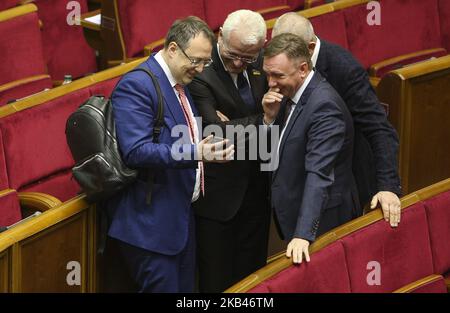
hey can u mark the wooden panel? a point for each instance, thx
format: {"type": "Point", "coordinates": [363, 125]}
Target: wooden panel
{"type": "Point", "coordinates": [4, 271]}
{"type": "Point", "coordinates": [419, 102]}
{"type": "Point", "coordinates": [41, 260]}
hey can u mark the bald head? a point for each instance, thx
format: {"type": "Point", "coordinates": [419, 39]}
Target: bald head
{"type": "Point", "coordinates": [295, 24]}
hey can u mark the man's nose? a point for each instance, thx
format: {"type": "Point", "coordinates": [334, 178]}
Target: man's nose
{"type": "Point", "coordinates": [272, 82]}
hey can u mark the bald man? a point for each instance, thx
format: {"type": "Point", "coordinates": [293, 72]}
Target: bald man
{"type": "Point", "coordinates": [376, 142]}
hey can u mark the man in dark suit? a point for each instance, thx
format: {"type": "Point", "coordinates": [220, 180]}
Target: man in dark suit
{"type": "Point", "coordinates": [313, 189]}
{"type": "Point", "coordinates": [233, 218]}
{"type": "Point", "coordinates": [156, 239]}
{"type": "Point", "coordinates": [376, 141]}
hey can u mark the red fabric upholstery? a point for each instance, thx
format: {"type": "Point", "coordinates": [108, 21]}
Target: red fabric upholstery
{"type": "Point", "coordinates": [384, 70]}
{"type": "Point", "coordinates": [61, 186]}
{"type": "Point", "coordinates": [436, 286]}
{"type": "Point", "coordinates": [444, 19]}
{"type": "Point", "coordinates": [7, 4]}
{"type": "Point", "coordinates": [35, 144]}
{"type": "Point", "coordinates": [327, 272]}
{"type": "Point", "coordinates": [261, 288]}
{"type": "Point", "coordinates": [104, 88]}
{"type": "Point", "coordinates": [296, 4]}
{"type": "Point", "coordinates": [315, 3]}
{"type": "Point", "coordinates": [21, 48]}
{"type": "Point", "coordinates": [3, 173]}
{"type": "Point", "coordinates": [65, 49]}
{"type": "Point", "coordinates": [24, 90]}
{"type": "Point", "coordinates": [9, 209]}
{"type": "Point", "coordinates": [406, 26]}
{"type": "Point", "coordinates": [438, 213]}
{"type": "Point", "coordinates": [141, 26]}
{"type": "Point", "coordinates": [404, 253]}
{"type": "Point", "coordinates": [331, 27]}
{"type": "Point", "coordinates": [218, 10]}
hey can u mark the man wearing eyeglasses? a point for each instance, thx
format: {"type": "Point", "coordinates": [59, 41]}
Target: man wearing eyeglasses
{"type": "Point", "coordinates": [156, 239]}
{"type": "Point", "coordinates": [233, 218]}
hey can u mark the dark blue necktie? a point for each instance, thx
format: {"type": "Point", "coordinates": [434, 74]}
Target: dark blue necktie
{"type": "Point", "coordinates": [245, 92]}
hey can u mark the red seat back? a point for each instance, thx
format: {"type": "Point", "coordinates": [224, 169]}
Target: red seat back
{"type": "Point", "coordinates": [20, 47]}
{"type": "Point", "coordinates": [65, 49]}
{"type": "Point", "coordinates": [141, 25]}
{"type": "Point", "coordinates": [444, 20]}
{"type": "Point", "coordinates": [9, 208]}
{"type": "Point", "coordinates": [34, 143]}
{"type": "Point", "coordinates": [327, 272]}
{"type": "Point", "coordinates": [104, 88]}
{"type": "Point", "coordinates": [403, 253]}
{"type": "Point", "coordinates": [331, 27]}
{"type": "Point", "coordinates": [438, 214]}
{"type": "Point", "coordinates": [25, 89]}
{"type": "Point", "coordinates": [7, 4]}
{"type": "Point", "coordinates": [406, 26]}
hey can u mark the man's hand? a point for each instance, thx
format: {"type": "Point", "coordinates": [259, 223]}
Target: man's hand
{"type": "Point", "coordinates": [390, 204]}
{"type": "Point", "coordinates": [271, 104]}
{"type": "Point", "coordinates": [214, 152]}
{"type": "Point", "coordinates": [296, 248]}
{"type": "Point", "coordinates": [222, 116]}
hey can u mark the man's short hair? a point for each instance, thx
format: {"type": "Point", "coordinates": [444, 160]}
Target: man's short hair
{"type": "Point", "coordinates": [183, 30]}
{"type": "Point", "coordinates": [250, 25]}
{"type": "Point", "coordinates": [293, 46]}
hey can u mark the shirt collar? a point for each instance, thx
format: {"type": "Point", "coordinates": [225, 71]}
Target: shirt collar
{"type": "Point", "coordinates": [300, 91]}
{"type": "Point", "coordinates": [159, 58]}
{"type": "Point", "coordinates": [315, 54]}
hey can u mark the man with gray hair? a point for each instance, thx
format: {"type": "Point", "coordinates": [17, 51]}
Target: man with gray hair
{"type": "Point", "coordinates": [233, 217]}
{"type": "Point", "coordinates": [376, 141]}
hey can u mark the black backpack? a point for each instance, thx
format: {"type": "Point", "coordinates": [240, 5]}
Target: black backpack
{"type": "Point", "coordinates": [91, 136]}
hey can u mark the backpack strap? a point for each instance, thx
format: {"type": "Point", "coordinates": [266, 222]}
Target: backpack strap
{"type": "Point", "coordinates": [157, 126]}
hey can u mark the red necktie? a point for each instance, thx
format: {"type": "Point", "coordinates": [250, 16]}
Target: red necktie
{"type": "Point", "coordinates": [190, 123]}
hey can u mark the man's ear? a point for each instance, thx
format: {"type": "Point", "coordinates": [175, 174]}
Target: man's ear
{"type": "Point", "coordinates": [172, 49]}
{"type": "Point", "coordinates": [311, 47]}
{"type": "Point", "coordinates": [304, 69]}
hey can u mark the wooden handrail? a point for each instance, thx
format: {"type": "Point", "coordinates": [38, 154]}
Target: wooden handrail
{"type": "Point", "coordinates": [280, 263]}
{"type": "Point", "coordinates": [414, 285]}
{"type": "Point", "coordinates": [17, 11]}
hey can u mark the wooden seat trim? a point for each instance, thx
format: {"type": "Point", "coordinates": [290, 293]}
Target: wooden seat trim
{"type": "Point", "coordinates": [419, 283]}
{"type": "Point", "coordinates": [17, 11]}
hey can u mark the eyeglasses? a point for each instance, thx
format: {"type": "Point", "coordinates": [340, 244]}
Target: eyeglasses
{"type": "Point", "coordinates": [232, 56]}
{"type": "Point", "coordinates": [197, 62]}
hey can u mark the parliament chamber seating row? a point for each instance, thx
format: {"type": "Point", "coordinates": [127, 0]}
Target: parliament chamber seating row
{"type": "Point", "coordinates": [38, 48]}
{"type": "Point", "coordinates": [132, 28]}
{"type": "Point", "coordinates": [414, 257]}
{"type": "Point", "coordinates": [410, 31]}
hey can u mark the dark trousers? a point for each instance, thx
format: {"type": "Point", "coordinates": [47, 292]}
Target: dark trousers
{"type": "Point", "coordinates": [229, 251]}
{"type": "Point", "coordinates": [155, 272]}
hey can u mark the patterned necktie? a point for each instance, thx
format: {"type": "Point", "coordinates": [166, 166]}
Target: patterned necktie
{"type": "Point", "coordinates": [245, 91]}
{"type": "Point", "coordinates": [192, 134]}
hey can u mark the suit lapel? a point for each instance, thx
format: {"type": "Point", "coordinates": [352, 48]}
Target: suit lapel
{"type": "Point", "coordinates": [170, 98]}
{"type": "Point", "coordinates": [321, 64]}
{"type": "Point", "coordinates": [258, 83]}
{"type": "Point", "coordinates": [297, 111]}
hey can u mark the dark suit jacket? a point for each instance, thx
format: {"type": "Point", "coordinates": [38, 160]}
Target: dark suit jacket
{"type": "Point", "coordinates": [376, 141]}
{"type": "Point", "coordinates": [226, 184]}
{"type": "Point", "coordinates": [313, 189]}
{"type": "Point", "coordinates": [162, 226]}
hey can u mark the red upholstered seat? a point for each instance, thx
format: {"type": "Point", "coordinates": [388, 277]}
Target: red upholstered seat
{"type": "Point", "coordinates": [25, 89]}
{"type": "Point", "coordinates": [444, 20]}
{"type": "Point", "coordinates": [331, 27]}
{"type": "Point", "coordinates": [141, 24]}
{"type": "Point", "coordinates": [4, 184]}
{"type": "Point", "coordinates": [6, 4]}
{"type": "Point", "coordinates": [295, 5]}
{"type": "Point", "coordinates": [20, 47]}
{"type": "Point", "coordinates": [65, 49]}
{"type": "Point", "coordinates": [327, 272]}
{"type": "Point", "coordinates": [404, 253]}
{"type": "Point", "coordinates": [104, 88]}
{"type": "Point", "coordinates": [9, 208]}
{"type": "Point", "coordinates": [34, 143]}
{"type": "Point", "coordinates": [217, 10]}
{"type": "Point", "coordinates": [438, 214]}
{"type": "Point", "coordinates": [406, 26]}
